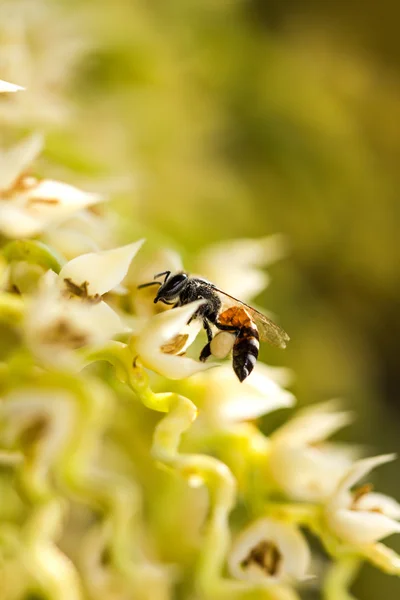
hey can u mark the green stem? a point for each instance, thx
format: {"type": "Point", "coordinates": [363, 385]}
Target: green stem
{"type": "Point", "coordinates": [340, 577]}
{"type": "Point", "coordinates": [34, 252]}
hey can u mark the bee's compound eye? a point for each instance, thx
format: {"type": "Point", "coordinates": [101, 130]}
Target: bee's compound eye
{"type": "Point", "coordinates": [222, 344]}
{"type": "Point", "coordinates": [177, 279]}
{"type": "Point", "coordinates": [175, 284]}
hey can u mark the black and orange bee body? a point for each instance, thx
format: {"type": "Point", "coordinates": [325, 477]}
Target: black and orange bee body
{"type": "Point", "coordinates": [246, 346]}
{"type": "Point", "coordinates": [224, 312]}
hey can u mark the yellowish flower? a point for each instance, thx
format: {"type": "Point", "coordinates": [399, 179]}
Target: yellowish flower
{"type": "Point", "coordinates": [29, 205]}
{"type": "Point", "coordinates": [225, 400]}
{"type": "Point", "coordinates": [301, 462]}
{"type": "Point", "coordinates": [236, 266]}
{"type": "Point", "coordinates": [161, 339]}
{"type": "Point", "coordinates": [361, 516]}
{"type": "Point", "coordinates": [56, 326]}
{"type": "Point", "coordinates": [269, 551]}
{"type": "Point", "coordinates": [68, 312]}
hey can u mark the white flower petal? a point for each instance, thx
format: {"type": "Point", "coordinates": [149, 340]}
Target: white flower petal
{"type": "Point", "coordinates": [242, 276]}
{"type": "Point", "coordinates": [379, 503]}
{"type": "Point", "coordinates": [102, 316]}
{"type": "Point", "coordinates": [6, 87]}
{"type": "Point", "coordinates": [56, 326]}
{"type": "Point", "coordinates": [103, 270]}
{"type": "Point", "coordinates": [70, 243]}
{"type": "Point", "coordinates": [362, 517]}
{"type": "Point", "coordinates": [52, 201]}
{"type": "Point", "coordinates": [227, 400]}
{"type": "Point", "coordinates": [159, 330]}
{"type": "Point", "coordinates": [303, 467]}
{"type": "Point", "coordinates": [312, 425]}
{"type": "Point", "coordinates": [361, 468]}
{"type": "Point", "coordinates": [360, 527]}
{"type": "Point", "coordinates": [307, 473]}
{"type": "Point", "coordinates": [17, 159]}
{"type": "Point", "coordinates": [294, 554]}
{"type": "Point", "coordinates": [16, 223]}
{"type": "Point", "coordinates": [258, 396]}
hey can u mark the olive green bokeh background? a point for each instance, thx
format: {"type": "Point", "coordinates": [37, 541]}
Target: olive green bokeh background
{"type": "Point", "coordinates": [227, 119]}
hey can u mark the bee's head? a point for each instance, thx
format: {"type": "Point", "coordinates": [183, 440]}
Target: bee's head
{"type": "Point", "coordinates": [171, 288]}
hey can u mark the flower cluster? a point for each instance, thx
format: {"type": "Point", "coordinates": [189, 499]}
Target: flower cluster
{"type": "Point", "coordinates": [60, 406]}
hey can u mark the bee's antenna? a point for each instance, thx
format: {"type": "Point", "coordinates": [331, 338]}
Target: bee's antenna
{"type": "Point", "coordinates": [166, 273]}
{"type": "Point", "coordinates": [144, 285]}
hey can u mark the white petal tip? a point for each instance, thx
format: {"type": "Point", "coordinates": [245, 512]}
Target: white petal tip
{"type": "Point", "coordinates": [6, 87]}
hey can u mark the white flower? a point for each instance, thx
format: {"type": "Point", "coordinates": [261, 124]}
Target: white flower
{"type": "Point", "coordinates": [29, 205]}
{"type": "Point", "coordinates": [98, 272]}
{"type": "Point", "coordinates": [52, 411]}
{"type": "Point", "coordinates": [28, 30]}
{"type": "Point", "coordinates": [68, 312]}
{"type": "Point", "coordinates": [6, 87]}
{"type": "Point", "coordinates": [55, 325]}
{"type": "Point", "coordinates": [269, 551]}
{"type": "Point", "coordinates": [162, 337]}
{"type": "Point", "coordinates": [235, 265]}
{"type": "Point", "coordinates": [361, 516]}
{"type": "Point", "coordinates": [301, 463]}
{"type": "Point", "coordinates": [225, 400]}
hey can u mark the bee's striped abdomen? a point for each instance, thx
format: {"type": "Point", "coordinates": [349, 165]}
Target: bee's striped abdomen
{"type": "Point", "coordinates": [246, 346]}
{"type": "Point", "coordinates": [245, 351]}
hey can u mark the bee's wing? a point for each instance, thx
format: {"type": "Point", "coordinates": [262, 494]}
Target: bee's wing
{"type": "Point", "coordinates": [267, 329]}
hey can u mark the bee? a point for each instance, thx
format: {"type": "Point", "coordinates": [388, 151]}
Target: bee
{"type": "Point", "coordinates": [223, 311]}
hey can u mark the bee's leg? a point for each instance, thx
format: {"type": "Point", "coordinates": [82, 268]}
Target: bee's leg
{"type": "Point", "coordinates": [226, 327]}
{"type": "Point", "coordinates": [206, 352]}
{"type": "Point", "coordinates": [207, 327]}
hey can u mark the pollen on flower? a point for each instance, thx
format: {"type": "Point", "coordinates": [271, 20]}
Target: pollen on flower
{"type": "Point", "coordinates": [81, 291]}
{"type": "Point", "coordinates": [265, 555]}
{"type": "Point", "coordinates": [359, 492]}
{"type": "Point", "coordinates": [64, 333]}
{"type": "Point", "coordinates": [23, 183]}
{"type": "Point", "coordinates": [175, 345]}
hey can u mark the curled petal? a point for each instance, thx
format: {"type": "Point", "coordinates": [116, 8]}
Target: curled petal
{"type": "Point", "coordinates": [269, 551]}
{"type": "Point", "coordinates": [102, 271]}
{"type": "Point", "coordinates": [361, 527]}
{"type": "Point", "coordinates": [158, 331]}
{"type": "Point", "coordinates": [16, 160]}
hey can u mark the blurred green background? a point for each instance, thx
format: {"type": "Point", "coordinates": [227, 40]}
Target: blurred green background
{"type": "Point", "coordinates": [220, 119]}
